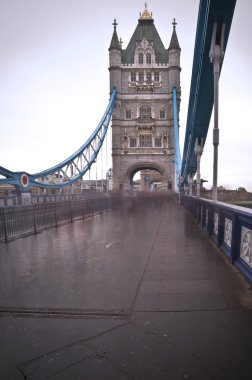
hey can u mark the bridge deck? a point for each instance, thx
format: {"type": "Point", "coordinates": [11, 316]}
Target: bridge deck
{"type": "Point", "coordinates": [133, 294]}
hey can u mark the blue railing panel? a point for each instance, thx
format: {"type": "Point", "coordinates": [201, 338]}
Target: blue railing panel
{"type": "Point", "coordinates": [229, 227]}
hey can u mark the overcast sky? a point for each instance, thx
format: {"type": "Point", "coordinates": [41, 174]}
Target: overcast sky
{"type": "Point", "coordinates": [54, 79]}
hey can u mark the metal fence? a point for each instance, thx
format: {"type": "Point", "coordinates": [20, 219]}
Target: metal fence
{"type": "Point", "coordinates": [14, 200]}
{"type": "Point", "coordinates": [229, 227]}
{"type": "Point", "coordinates": [20, 220]}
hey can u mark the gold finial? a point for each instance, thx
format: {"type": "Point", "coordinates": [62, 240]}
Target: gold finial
{"type": "Point", "coordinates": [174, 23]}
{"type": "Point", "coordinates": [146, 15]}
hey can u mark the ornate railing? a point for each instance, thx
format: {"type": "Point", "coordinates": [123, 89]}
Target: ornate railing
{"type": "Point", "coordinates": [229, 227]}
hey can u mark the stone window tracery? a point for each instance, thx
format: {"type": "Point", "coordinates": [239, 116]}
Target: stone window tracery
{"type": "Point", "coordinates": [133, 76]}
{"type": "Point", "coordinates": [141, 76]}
{"type": "Point", "coordinates": [158, 142]}
{"type": "Point", "coordinates": [145, 112]}
{"type": "Point", "coordinates": [133, 142]}
{"type": "Point", "coordinates": [145, 141]}
{"type": "Point", "coordinates": [148, 58]}
{"type": "Point", "coordinates": [140, 58]}
{"type": "Point", "coordinates": [148, 76]}
{"type": "Point", "coordinates": [156, 76]}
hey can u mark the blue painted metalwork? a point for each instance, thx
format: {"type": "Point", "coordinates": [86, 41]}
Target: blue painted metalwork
{"type": "Point", "coordinates": [202, 83]}
{"type": "Point", "coordinates": [229, 227]}
{"type": "Point", "coordinates": [70, 170]}
{"type": "Point", "coordinates": [177, 155]}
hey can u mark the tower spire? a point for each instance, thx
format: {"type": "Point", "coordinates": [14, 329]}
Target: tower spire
{"type": "Point", "coordinates": [115, 44]}
{"type": "Point", "coordinates": [174, 23]}
{"type": "Point", "coordinates": [174, 44]}
{"type": "Point", "coordinates": [115, 24]}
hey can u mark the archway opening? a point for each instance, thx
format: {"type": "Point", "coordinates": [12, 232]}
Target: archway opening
{"type": "Point", "coordinates": [146, 180]}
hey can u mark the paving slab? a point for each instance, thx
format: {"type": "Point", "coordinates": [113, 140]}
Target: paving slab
{"type": "Point", "coordinates": [132, 294]}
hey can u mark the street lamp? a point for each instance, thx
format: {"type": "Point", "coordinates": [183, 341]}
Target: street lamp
{"type": "Point", "coordinates": [216, 57]}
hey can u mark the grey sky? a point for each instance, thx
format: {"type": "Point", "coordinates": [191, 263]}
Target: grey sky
{"type": "Point", "coordinates": [54, 82]}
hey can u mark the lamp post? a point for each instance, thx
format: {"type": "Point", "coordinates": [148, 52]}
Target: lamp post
{"type": "Point", "coordinates": [216, 57]}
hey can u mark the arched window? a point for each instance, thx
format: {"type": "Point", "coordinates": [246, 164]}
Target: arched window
{"type": "Point", "coordinates": [156, 76]}
{"type": "Point", "coordinates": [133, 142]}
{"type": "Point", "coordinates": [162, 113]}
{"type": "Point", "coordinates": [148, 58]}
{"type": "Point", "coordinates": [128, 114]}
{"type": "Point", "coordinates": [140, 58]}
{"type": "Point", "coordinates": [145, 112]}
{"type": "Point", "coordinates": [148, 76]}
{"type": "Point", "coordinates": [158, 142]}
{"type": "Point", "coordinates": [133, 76]}
{"type": "Point", "coordinates": [165, 141]}
{"type": "Point", "coordinates": [145, 141]}
{"type": "Point", "coordinates": [141, 76]}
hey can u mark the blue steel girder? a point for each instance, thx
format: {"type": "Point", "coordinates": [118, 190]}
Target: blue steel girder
{"type": "Point", "coordinates": [70, 170]}
{"type": "Point", "coordinates": [177, 155]}
{"type": "Point", "coordinates": [202, 82]}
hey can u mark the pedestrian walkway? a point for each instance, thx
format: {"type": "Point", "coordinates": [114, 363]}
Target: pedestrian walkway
{"type": "Point", "coordinates": [138, 293]}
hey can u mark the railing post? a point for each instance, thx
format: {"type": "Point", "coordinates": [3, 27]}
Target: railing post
{"type": "Point", "coordinates": [83, 209]}
{"type": "Point", "coordinates": [55, 213]}
{"type": "Point", "coordinates": [4, 226]}
{"type": "Point", "coordinates": [71, 210]}
{"type": "Point", "coordinates": [190, 181]}
{"type": "Point", "coordinates": [34, 219]}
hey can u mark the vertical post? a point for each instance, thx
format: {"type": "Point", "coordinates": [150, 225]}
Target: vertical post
{"type": "Point", "coordinates": [190, 181]}
{"type": "Point", "coordinates": [71, 210]}
{"type": "Point", "coordinates": [55, 213]}
{"type": "Point", "coordinates": [83, 209]}
{"type": "Point", "coordinates": [34, 218]}
{"type": "Point", "coordinates": [216, 57]}
{"type": "Point", "coordinates": [198, 150]}
{"type": "Point", "coordinates": [4, 226]}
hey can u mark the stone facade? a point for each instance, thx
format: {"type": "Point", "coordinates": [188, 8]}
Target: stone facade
{"type": "Point", "coordinates": [142, 124]}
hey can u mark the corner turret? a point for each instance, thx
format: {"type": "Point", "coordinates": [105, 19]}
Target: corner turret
{"type": "Point", "coordinates": [174, 51]}
{"type": "Point", "coordinates": [115, 58]}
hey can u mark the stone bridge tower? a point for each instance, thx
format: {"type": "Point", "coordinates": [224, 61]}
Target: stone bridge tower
{"type": "Point", "coordinates": [142, 125]}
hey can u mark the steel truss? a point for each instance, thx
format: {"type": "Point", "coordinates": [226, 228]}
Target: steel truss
{"type": "Point", "coordinates": [70, 170]}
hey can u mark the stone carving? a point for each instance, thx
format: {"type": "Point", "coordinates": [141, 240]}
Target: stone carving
{"type": "Point", "coordinates": [246, 245]}
{"type": "Point", "coordinates": [228, 232]}
{"type": "Point", "coordinates": [216, 223]}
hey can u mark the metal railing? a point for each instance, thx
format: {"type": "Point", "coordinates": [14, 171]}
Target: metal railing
{"type": "Point", "coordinates": [14, 200]}
{"type": "Point", "coordinates": [16, 221]}
{"type": "Point", "coordinates": [229, 227]}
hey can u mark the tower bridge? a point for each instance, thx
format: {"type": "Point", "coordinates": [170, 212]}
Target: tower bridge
{"type": "Point", "coordinates": [144, 73]}
{"type": "Point", "coordinates": [155, 286]}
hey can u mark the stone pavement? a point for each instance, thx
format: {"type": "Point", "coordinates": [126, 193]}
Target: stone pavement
{"type": "Point", "coordinates": [138, 293]}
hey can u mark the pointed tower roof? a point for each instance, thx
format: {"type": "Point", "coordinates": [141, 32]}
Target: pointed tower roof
{"type": "Point", "coordinates": [174, 44]}
{"type": "Point", "coordinates": [115, 43]}
{"type": "Point", "coordinates": [145, 29]}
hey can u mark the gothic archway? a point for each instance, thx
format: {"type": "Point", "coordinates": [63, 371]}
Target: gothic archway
{"type": "Point", "coordinates": [141, 166]}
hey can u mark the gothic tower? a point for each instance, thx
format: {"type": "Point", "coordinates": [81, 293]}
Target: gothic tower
{"type": "Point", "coordinates": [142, 125]}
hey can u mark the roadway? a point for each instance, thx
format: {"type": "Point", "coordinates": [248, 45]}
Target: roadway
{"type": "Point", "coordinates": [137, 293]}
